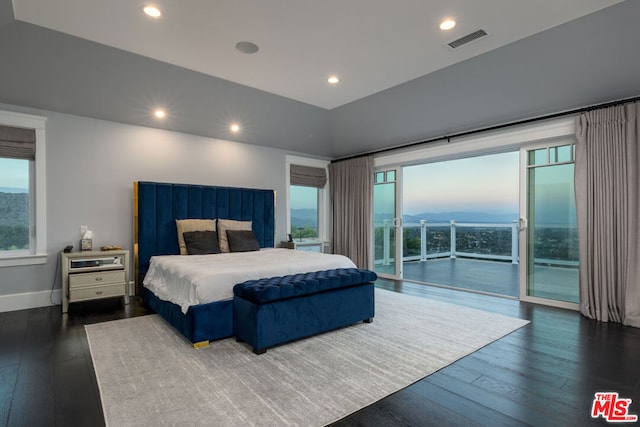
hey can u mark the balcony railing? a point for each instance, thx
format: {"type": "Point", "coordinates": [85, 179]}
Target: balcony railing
{"type": "Point", "coordinates": [498, 242]}
{"type": "Point", "coordinates": [439, 248]}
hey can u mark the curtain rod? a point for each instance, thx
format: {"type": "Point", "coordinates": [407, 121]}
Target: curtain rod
{"type": "Point", "coordinates": [494, 127]}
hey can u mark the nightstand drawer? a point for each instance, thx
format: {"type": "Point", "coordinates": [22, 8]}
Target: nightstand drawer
{"type": "Point", "coordinates": [98, 278]}
{"type": "Point", "coordinates": [101, 291]}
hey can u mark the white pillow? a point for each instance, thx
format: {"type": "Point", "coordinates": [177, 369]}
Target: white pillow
{"type": "Point", "coordinates": [184, 225]}
{"type": "Point", "coordinates": [229, 224]}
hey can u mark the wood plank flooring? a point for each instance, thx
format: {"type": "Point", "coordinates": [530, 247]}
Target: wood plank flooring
{"type": "Point", "coordinates": [543, 374]}
{"type": "Point", "coordinates": [46, 372]}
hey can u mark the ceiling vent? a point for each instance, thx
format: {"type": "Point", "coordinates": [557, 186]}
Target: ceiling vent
{"type": "Point", "coordinates": [467, 39]}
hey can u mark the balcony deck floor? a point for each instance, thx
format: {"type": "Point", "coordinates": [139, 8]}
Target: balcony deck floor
{"type": "Point", "coordinates": [499, 278]}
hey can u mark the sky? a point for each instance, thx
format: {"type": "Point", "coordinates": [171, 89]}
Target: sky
{"type": "Point", "coordinates": [303, 197]}
{"type": "Point", "coordinates": [487, 184]}
{"type": "Point", "coordinates": [14, 173]}
{"type": "Point", "coordinates": [478, 184]}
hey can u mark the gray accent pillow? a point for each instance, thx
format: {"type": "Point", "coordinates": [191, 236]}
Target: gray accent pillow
{"type": "Point", "coordinates": [186, 225]}
{"type": "Point", "coordinates": [201, 242]}
{"type": "Point", "coordinates": [242, 241]}
{"type": "Point", "coordinates": [229, 224]}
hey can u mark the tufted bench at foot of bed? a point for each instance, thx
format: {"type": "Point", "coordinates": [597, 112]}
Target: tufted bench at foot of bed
{"type": "Point", "coordinates": [273, 311]}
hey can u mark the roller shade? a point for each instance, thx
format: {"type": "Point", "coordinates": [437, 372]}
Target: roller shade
{"type": "Point", "coordinates": [308, 176]}
{"type": "Point", "coordinates": [17, 143]}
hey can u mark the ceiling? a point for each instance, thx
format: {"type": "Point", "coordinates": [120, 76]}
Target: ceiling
{"type": "Point", "coordinates": [372, 45]}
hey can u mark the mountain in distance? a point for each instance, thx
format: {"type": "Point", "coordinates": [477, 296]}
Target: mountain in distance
{"type": "Point", "coordinates": [461, 216]}
{"type": "Point", "coordinates": [14, 209]}
{"type": "Point", "coordinates": [13, 190]}
{"type": "Point", "coordinates": [304, 218]}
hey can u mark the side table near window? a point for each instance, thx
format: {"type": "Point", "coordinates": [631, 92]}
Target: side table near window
{"type": "Point", "coordinates": [308, 246]}
{"type": "Point", "coordinates": [94, 275]}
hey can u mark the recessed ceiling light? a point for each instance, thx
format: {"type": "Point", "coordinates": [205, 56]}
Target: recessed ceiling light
{"type": "Point", "coordinates": [152, 11]}
{"type": "Point", "coordinates": [235, 128]}
{"type": "Point", "coordinates": [447, 24]}
{"type": "Point", "coordinates": [333, 80]}
{"type": "Point", "coordinates": [160, 114]}
{"type": "Point", "coordinates": [247, 47]}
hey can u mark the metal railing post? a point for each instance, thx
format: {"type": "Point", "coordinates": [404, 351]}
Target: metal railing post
{"type": "Point", "coordinates": [423, 240]}
{"type": "Point", "coordinates": [453, 239]}
{"type": "Point", "coordinates": [514, 242]}
{"type": "Point", "coordinates": [385, 242]}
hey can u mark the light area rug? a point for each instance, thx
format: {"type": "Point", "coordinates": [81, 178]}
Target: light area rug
{"type": "Point", "coordinates": [149, 375]}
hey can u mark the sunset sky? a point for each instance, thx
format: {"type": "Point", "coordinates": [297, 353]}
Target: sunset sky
{"type": "Point", "coordinates": [478, 184]}
{"type": "Point", "coordinates": [486, 184]}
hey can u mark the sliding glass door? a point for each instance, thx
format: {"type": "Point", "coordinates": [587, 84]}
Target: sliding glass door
{"type": "Point", "coordinates": [514, 235]}
{"type": "Point", "coordinates": [387, 227]}
{"type": "Point", "coordinates": [548, 230]}
{"type": "Point", "coordinates": [540, 251]}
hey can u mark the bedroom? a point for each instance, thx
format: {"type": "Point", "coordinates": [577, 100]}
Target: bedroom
{"type": "Point", "coordinates": [100, 157]}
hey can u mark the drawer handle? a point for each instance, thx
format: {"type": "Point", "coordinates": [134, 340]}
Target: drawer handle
{"type": "Point", "coordinates": [99, 293]}
{"type": "Point", "coordinates": [98, 279]}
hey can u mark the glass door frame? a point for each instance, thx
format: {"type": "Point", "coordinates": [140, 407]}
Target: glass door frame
{"type": "Point", "coordinates": [523, 225]}
{"type": "Point", "coordinates": [397, 223]}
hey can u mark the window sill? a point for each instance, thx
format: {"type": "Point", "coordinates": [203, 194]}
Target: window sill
{"type": "Point", "coordinates": [18, 260]}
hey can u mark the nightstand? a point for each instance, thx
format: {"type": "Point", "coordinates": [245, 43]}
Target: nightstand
{"type": "Point", "coordinates": [94, 275]}
{"type": "Point", "coordinates": [305, 245]}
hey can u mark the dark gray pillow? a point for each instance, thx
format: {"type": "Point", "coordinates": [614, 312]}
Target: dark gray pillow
{"type": "Point", "coordinates": [242, 241]}
{"type": "Point", "coordinates": [201, 242]}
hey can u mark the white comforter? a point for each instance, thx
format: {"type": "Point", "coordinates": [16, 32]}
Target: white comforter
{"type": "Point", "coordinates": [199, 279]}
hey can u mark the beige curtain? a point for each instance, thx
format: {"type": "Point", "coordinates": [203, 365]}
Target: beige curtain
{"type": "Point", "coordinates": [351, 183]}
{"type": "Point", "coordinates": [606, 182]}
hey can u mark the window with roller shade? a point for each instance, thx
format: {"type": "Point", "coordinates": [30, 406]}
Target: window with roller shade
{"type": "Point", "coordinates": [305, 203]}
{"type": "Point", "coordinates": [20, 238]}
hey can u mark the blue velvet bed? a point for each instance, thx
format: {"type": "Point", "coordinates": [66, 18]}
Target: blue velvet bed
{"type": "Point", "coordinates": [157, 206]}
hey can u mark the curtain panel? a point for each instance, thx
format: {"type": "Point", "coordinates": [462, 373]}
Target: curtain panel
{"type": "Point", "coordinates": [607, 202]}
{"type": "Point", "coordinates": [351, 184]}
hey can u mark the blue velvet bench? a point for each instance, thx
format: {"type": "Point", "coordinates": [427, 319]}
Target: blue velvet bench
{"type": "Point", "coordinates": [273, 311]}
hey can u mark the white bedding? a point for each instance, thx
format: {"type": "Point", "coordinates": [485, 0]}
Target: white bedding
{"type": "Point", "coordinates": [199, 279]}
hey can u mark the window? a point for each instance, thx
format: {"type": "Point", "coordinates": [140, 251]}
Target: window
{"type": "Point", "coordinates": [22, 171]}
{"type": "Point", "coordinates": [307, 179]}
{"type": "Point", "coordinates": [15, 218]}
{"type": "Point", "coordinates": [303, 208]}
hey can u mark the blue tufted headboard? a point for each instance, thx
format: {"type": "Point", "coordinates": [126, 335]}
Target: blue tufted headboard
{"type": "Point", "coordinates": [158, 205]}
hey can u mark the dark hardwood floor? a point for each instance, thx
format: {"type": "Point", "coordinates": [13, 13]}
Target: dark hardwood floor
{"type": "Point", "coordinates": [46, 372]}
{"type": "Point", "coordinates": [544, 374]}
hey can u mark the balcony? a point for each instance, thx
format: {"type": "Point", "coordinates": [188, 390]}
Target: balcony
{"type": "Point", "coordinates": [473, 256]}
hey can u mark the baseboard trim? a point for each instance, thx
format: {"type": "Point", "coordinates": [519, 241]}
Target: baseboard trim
{"type": "Point", "coordinates": [27, 300]}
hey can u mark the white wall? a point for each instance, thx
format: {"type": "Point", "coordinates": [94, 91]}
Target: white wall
{"type": "Point", "coordinates": [91, 167]}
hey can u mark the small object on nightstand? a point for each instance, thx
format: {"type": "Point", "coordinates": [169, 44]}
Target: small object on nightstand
{"type": "Point", "coordinates": [67, 249]}
{"type": "Point", "coordinates": [85, 245]}
{"type": "Point", "coordinates": [306, 246]}
{"type": "Point", "coordinates": [287, 245]}
{"type": "Point", "coordinates": [111, 248]}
